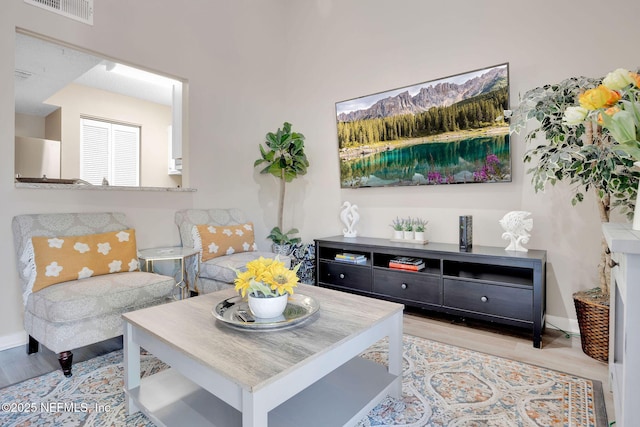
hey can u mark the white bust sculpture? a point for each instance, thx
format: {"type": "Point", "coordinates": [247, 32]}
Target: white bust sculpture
{"type": "Point", "coordinates": [350, 217]}
{"type": "Point", "coordinates": [516, 227]}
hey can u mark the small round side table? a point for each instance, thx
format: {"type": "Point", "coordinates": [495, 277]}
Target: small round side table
{"type": "Point", "coordinates": [187, 274]}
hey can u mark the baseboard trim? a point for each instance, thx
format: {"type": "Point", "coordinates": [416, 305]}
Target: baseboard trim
{"type": "Point", "coordinates": [563, 324]}
{"type": "Point", "coordinates": [13, 340]}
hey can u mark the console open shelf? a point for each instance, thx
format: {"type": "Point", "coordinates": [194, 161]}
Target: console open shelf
{"type": "Point", "coordinates": [487, 283]}
{"type": "Point", "coordinates": [497, 273]}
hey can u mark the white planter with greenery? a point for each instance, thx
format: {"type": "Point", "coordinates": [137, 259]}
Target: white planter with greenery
{"type": "Point", "coordinates": [407, 227]}
{"type": "Point", "coordinates": [398, 232]}
{"type": "Point", "coordinates": [419, 226]}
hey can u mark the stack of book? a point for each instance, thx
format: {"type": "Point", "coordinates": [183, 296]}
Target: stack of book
{"type": "Point", "coordinates": [406, 263]}
{"type": "Point", "coordinates": [351, 258]}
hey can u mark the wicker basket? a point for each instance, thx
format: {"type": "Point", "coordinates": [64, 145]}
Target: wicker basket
{"type": "Point", "coordinates": [592, 309]}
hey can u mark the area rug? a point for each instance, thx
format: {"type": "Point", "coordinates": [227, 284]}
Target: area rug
{"type": "Point", "coordinates": [443, 385]}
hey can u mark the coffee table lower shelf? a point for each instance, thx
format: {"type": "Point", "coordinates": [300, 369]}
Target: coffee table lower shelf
{"type": "Point", "coordinates": [351, 391]}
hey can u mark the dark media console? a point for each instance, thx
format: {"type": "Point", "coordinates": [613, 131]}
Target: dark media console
{"type": "Point", "coordinates": [486, 283]}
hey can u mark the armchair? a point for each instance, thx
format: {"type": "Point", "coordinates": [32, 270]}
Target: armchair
{"type": "Point", "coordinates": [219, 272]}
{"type": "Point", "coordinates": [74, 313]}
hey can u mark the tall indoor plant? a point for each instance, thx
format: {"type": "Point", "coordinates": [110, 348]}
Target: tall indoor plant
{"type": "Point", "coordinates": [284, 158]}
{"type": "Point", "coordinates": [583, 154]}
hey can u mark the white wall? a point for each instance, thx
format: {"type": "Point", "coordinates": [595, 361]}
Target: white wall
{"type": "Point", "coordinates": [77, 101]}
{"type": "Point", "coordinates": [32, 126]}
{"type": "Point", "coordinates": [346, 49]}
{"type": "Point", "coordinates": [252, 65]}
{"type": "Point", "coordinates": [228, 52]}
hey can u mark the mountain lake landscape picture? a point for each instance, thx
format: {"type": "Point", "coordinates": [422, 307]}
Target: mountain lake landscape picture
{"type": "Point", "coordinates": [446, 131]}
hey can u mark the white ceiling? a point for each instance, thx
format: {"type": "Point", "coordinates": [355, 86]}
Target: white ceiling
{"type": "Point", "coordinates": [43, 68]}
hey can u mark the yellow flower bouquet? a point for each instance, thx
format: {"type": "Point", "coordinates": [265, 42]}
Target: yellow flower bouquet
{"type": "Point", "coordinates": [265, 278]}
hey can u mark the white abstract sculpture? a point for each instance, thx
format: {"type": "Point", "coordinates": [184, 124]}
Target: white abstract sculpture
{"type": "Point", "coordinates": [516, 227]}
{"type": "Point", "coordinates": [350, 217]}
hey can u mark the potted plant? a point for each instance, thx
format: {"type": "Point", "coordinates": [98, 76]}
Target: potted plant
{"type": "Point", "coordinates": [398, 228]}
{"type": "Point", "coordinates": [283, 243]}
{"type": "Point", "coordinates": [585, 155]}
{"type": "Point", "coordinates": [284, 158]}
{"type": "Point", "coordinates": [419, 226]}
{"type": "Point", "coordinates": [407, 226]}
{"type": "Point", "coordinates": [267, 283]}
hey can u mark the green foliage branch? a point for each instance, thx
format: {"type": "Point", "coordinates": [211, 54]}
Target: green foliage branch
{"type": "Point", "coordinates": [585, 155]}
{"type": "Point", "coordinates": [397, 224]}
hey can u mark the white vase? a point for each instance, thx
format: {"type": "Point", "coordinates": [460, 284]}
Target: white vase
{"type": "Point", "coordinates": [636, 211]}
{"type": "Point", "coordinates": [398, 234]}
{"type": "Point", "coordinates": [267, 308]}
{"type": "Point", "coordinates": [408, 235]}
{"type": "Point", "coordinates": [419, 235]}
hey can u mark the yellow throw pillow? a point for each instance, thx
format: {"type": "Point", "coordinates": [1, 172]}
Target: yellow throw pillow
{"type": "Point", "coordinates": [60, 259]}
{"type": "Point", "coordinates": [214, 241]}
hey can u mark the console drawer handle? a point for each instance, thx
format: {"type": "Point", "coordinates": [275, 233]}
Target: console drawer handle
{"type": "Point", "coordinates": [484, 299]}
{"type": "Point", "coordinates": [342, 275]}
{"type": "Point", "coordinates": [403, 286]}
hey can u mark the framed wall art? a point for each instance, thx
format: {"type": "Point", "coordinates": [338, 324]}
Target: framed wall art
{"type": "Point", "coordinates": [446, 131]}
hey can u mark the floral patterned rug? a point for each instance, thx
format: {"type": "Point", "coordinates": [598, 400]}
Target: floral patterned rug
{"type": "Point", "coordinates": [443, 385]}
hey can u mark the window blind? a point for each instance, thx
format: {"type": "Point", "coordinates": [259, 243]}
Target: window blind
{"type": "Point", "coordinates": [111, 151]}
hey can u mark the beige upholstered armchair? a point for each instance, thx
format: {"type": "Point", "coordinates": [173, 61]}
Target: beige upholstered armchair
{"type": "Point", "coordinates": [217, 271]}
{"type": "Point", "coordinates": [64, 312]}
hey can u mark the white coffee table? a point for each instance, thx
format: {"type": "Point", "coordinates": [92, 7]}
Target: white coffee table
{"type": "Point", "coordinates": [308, 375]}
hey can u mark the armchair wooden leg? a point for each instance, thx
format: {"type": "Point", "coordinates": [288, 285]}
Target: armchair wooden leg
{"type": "Point", "coordinates": [33, 345]}
{"type": "Point", "coordinates": [65, 358]}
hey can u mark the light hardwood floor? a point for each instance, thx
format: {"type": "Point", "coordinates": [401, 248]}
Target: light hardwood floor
{"type": "Point", "coordinates": [558, 351]}
{"type": "Point", "coordinates": [16, 365]}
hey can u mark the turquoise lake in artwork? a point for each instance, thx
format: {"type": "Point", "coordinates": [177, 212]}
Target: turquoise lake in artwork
{"type": "Point", "coordinates": [474, 160]}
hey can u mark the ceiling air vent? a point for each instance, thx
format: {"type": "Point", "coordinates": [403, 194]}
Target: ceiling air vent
{"type": "Point", "coordinates": [80, 10]}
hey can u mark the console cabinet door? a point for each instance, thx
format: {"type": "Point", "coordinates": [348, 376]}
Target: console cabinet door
{"type": "Point", "coordinates": [409, 286]}
{"type": "Point", "coordinates": [503, 301]}
{"type": "Point", "coordinates": [346, 276]}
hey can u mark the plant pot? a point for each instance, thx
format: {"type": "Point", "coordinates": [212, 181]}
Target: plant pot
{"type": "Point", "coordinates": [268, 307]}
{"type": "Point", "coordinates": [398, 234]}
{"type": "Point", "coordinates": [282, 249]}
{"type": "Point", "coordinates": [592, 310]}
{"type": "Point", "coordinates": [419, 235]}
{"type": "Point", "coordinates": [408, 235]}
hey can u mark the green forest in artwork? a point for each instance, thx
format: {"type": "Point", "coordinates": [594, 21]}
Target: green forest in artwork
{"type": "Point", "coordinates": [482, 111]}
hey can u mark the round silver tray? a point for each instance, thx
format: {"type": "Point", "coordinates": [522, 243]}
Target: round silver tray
{"type": "Point", "coordinates": [235, 312]}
